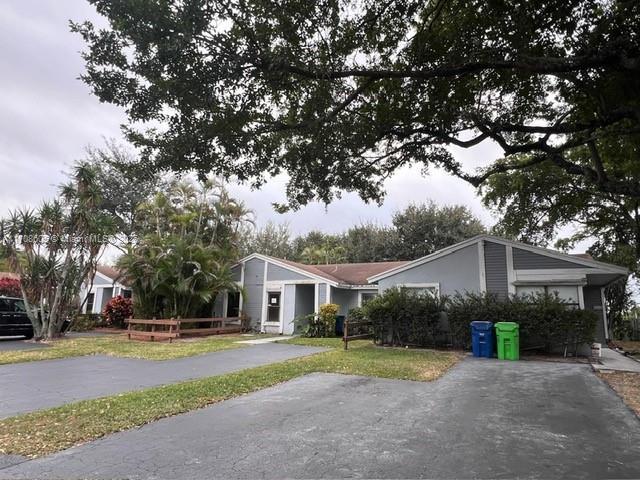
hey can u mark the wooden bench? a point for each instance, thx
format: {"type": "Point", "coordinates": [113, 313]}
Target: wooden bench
{"type": "Point", "coordinates": [216, 326]}
{"type": "Point", "coordinates": [359, 329]}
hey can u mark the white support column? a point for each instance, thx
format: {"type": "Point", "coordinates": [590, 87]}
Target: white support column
{"type": "Point", "coordinates": [316, 302]}
{"type": "Point", "coordinates": [580, 296]}
{"type": "Point", "coordinates": [604, 314]}
{"type": "Point", "coordinates": [482, 267]}
{"type": "Point", "coordinates": [283, 292]}
{"type": "Point", "coordinates": [264, 296]}
{"type": "Point", "coordinates": [241, 299]}
{"type": "Point", "coordinates": [511, 288]}
{"type": "Point", "coordinates": [328, 299]}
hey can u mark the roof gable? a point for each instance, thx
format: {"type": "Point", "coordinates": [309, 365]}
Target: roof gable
{"type": "Point", "coordinates": [578, 260]}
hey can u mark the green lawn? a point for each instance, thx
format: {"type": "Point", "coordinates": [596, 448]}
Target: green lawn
{"type": "Point", "coordinates": [47, 431]}
{"type": "Point", "coordinates": [120, 346]}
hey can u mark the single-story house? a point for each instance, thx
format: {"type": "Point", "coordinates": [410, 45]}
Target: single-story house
{"type": "Point", "coordinates": [107, 284]}
{"type": "Point", "coordinates": [278, 290]}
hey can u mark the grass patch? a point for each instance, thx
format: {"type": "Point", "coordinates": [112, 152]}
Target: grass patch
{"type": "Point", "coordinates": [120, 346]}
{"type": "Point", "coordinates": [334, 342]}
{"type": "Point", "coordinates": [626, 385]}
{"type": "Point", "coordinates": [47, 431]}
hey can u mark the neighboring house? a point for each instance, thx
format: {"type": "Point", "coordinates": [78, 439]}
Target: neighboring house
{"type": "Point", "coordinates": [277, 291]}
{"type": "Point", "coordinates": [107, 283]}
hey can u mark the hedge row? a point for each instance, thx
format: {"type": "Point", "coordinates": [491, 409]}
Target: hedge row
{"type": "Point", "coordinates": [402, 318]}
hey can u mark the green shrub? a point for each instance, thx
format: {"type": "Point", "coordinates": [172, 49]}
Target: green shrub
{"type": "Point", "coordinates": [321, 324]}
{"type": "Point", "coordinates": [86, 322]}
{"type": "Point", "coordinates": [117, 310]}
{"type": "Point", "coordinates": [545, 321]}
{"type": "Point", "coordinates": [401, 317]}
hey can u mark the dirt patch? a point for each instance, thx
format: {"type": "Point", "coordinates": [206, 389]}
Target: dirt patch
{"type": "Point", "coordinates": [626, 385]}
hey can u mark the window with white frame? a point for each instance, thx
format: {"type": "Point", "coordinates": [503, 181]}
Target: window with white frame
{"type": "Point", "coordinates": [432, 289]}
{"type": "Point", "coordinates": [567, 293]}
{"type": "Point", "coordinates": [366, 297]}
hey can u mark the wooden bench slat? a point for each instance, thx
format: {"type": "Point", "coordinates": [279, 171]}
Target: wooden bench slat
{"type": "Point", "coordinates": [141, 333]}
{"type": "Point", "coordinates": [204, 331]}
{"type": "Point", "coordinates": [135, 321]}
{"type": "Point", "coordinates": [209, 320]}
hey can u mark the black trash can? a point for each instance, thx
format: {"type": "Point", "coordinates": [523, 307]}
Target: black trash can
{"type": "Point", "coordinates": [339, 325]}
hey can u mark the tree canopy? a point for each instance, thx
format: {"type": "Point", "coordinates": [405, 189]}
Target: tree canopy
{"type": "Point", "coordinates": [416, 231]}
{"type": "Point", "coordinates": [340, 94]}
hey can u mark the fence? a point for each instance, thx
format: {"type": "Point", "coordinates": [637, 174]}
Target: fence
{"type": "Point", "coordinates": [170, 328]}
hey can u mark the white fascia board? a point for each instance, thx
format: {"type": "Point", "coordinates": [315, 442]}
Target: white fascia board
{"type": "Point", "coordinates": [429, 258]}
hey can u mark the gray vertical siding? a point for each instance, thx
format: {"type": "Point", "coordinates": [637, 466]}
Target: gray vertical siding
{"type": "Point", "coordinates": [218, 304]}
{"type": "Point", "coordinates": [322, 293]}
{"type": "Point", "coordinates": [289, 307]}
{"type": "Point", "coordinates": [236, 273]}
{"type": "Point", "coordinates": [345, 299]}
{"type": "Point", "coordinates": [593, 301]}
{"type": "Point", "coordinates": [253, 283]}
{"type": "Point", "coordinates": [457, 272]}
{"type": "Point", "coordinates": [277, 273]}
{"type": "Point", "coordinates": [495, 266]}
{"type": "Point", "coordinates": [526, 260]}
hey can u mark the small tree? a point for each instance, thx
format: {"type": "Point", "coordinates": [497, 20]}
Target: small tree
{"type": "Point", "coordinates": [55, 248]}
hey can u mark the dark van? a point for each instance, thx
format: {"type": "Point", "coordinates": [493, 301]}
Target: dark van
{"type": "Point", "coordinates": [13, 318]}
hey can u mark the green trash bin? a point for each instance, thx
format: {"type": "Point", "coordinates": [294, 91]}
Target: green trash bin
{"type": "Point", "coordinates": [508, 340]}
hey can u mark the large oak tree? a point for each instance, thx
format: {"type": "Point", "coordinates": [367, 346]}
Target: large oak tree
{"type": "Point", "coordinates": [340, 94]}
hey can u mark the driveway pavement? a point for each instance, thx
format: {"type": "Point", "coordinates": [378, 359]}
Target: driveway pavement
{"type": "Point", "coordinates": [485, 419]}
{"type": "Point", "coordinates": [18, 343]}
{"type": "Point", "coordinates": [29, 386]}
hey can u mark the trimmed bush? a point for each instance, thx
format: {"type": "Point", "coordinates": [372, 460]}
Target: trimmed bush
{"type": "Point", "coordinates": [401, 317]}
{"type": "Point", "coordinates": [545, 320]}
{"type": "Point", "coordinates": [321, 324]}
{"type": "Point", "coordinates": [86, 322]}
{"type": "Point", "coordinates": [117, 310]}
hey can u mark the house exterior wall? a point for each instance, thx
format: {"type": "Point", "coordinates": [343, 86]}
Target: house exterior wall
{"type": "Point", "coordinates": [289, 308]}
{"type": "Point", "coordinates": [346, 299]}
{"type": "Point", "coordinates": [526, 260]}
{"type": "Point", "coordinates": [495, 258]}
{"type": "Point", "coordinates": [218, 305]}
{"type": "Point", "coordinates": [593, 301]}
{"type": "Point", "coordinates": [253, 285]}
{"type": "Point", "coordinates": [458, 271]}
{"type": "Point", "coordinates": [305, 299]}
{"type": "Point", "coordinates": [236, 273]}
{"type": "Point", "coordinates": [277, 273]}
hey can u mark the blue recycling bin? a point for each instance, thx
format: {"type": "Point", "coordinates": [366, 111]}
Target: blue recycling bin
{"type": "Point", "coordinates": [482, 339]}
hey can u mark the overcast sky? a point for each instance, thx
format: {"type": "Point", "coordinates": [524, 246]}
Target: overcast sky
{"type": "Point", "coordinates": [49, 116]}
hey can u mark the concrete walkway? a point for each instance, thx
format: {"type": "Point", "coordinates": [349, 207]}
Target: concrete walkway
{"type": "Point", "coordinates": [612, 360]}
{"type": "Point", "coordinates": [484, 419]}
{"type": "Point", "coordinates": [25, 387]}
{"type": "Point", "coordinates": [260, 341]}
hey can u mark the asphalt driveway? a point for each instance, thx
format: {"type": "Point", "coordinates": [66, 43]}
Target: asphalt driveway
{"type": "Point", "coordinates": [485, 419]}
{"type": "Point", "coordinates": [25, 387]}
